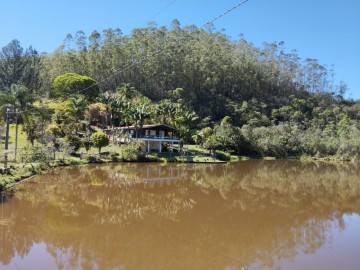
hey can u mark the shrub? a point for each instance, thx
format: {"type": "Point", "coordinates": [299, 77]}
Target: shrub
{"type": "Point", "coordinates": [74, 142]}
{"type": "Point", "coordinates": [87, 143]}
{"type": "Point", "coordinates": [99, 140]}
{"type": "Point", "coordinates": [131, 152]}
{"type": "Point", "coordinates": [2, 186]}
{"type": "Point", "coordinates": [114, 156]}
{"type": "Point", "coordinates": [152, 158]}
{"type": "Point", "coordinates": [223, 156]}
{"type": "Point", "coordinates": [92, 159]}
{"type": "Point", "coordinates": [35, 154]}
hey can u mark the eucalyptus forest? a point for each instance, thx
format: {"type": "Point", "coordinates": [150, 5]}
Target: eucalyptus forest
{"type": "Point", "coordinates": [221, 94]}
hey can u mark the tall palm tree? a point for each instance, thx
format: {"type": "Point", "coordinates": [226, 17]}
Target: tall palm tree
{"type": "Point", "coordinates": [166, 111]}
{"type": "Point", "coordinates": [18, 96]}
{"type": "Point", "coordinates": [20, 99]}
{"type": "Point", "coordinates": [141, 110]}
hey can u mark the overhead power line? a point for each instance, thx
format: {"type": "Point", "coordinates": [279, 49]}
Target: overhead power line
{"type": "Point", "coordinates": [159, 51]}
{"type": "Point", "coordinates": [224, 13]}
{"type": "Point", "coordinates": [161, 11]}
{"type": "Point", "coordinates": [162, 49]}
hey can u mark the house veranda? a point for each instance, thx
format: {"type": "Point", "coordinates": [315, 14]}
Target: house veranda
{"type": "Point", "coordinates": [154, 136]}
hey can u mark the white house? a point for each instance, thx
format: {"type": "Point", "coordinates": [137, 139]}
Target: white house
{"type": "Point", "coordinates": [154, 136]}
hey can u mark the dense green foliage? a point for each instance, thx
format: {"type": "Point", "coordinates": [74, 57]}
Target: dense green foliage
{"type": "Point", "coordinates": [99, 140]}
{"type": "Point", "coordinates": [131, 152]}
{"type": "Point", "coordinates": [72, 84]}
{"type": "Point", "coordinates": [221, 94]}
{"type": "Point", "coordinates": [217, 74]}
{"type": "Point", "coordinates": [19, 67]}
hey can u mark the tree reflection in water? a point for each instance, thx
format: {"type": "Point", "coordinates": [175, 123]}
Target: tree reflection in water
{"type": "Point", "coordinates": [142, 216]}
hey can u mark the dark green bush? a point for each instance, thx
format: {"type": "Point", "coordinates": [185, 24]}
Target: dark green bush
{"type": "Point", "coordinates": [86, 143]}
{"type": "Point", "coordinates": [114, 157]}
{"type": "Point", "coordinates": [223, 156]}
{"type": "Point", "coordinates": [74, 142]}
{"type": "Point", "coordinates": [92, 159]}
{"type": "Point", "coordinates": [2, 186]}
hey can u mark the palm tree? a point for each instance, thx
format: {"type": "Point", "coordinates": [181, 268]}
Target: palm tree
{"type": "Point", "coordinates": [166, 111]}
{"type": "Point", "coordinates": [18, 96]}
{"type": "Point", "coordinates": [184, 121]}
{"type": "Point", "coordinates": [127, 91]}
{"type": "Point", "coordinates": [20, 99]}
{"type": "Point", "coordinates": [35, 121]}
{"type": "Point", "coordinates": [141, 110]}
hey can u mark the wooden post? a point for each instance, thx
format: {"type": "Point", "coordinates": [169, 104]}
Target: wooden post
{"type": "Point", "coordinates": [16, 132]}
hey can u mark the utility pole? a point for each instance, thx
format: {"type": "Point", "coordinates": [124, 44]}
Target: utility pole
{"type": "Point", "coordinates": [7, 136]}
{"type": "Point", "coordinates": [16, 132]}
{"type": "Point", "coordinates": [6, 150]}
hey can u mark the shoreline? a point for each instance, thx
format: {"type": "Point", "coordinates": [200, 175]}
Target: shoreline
{"type": "Point", "coordinates": [16, 175]}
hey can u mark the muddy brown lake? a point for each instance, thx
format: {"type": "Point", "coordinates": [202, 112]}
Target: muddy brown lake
{"type": "Point", "coordinates": [251, 215]}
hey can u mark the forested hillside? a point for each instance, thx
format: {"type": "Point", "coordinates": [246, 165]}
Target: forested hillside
{"type": "Point", "coordinates": [221, 93]}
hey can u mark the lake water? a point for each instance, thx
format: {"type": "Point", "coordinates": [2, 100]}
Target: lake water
{"type": "Point", "coordinates": [252, 215]}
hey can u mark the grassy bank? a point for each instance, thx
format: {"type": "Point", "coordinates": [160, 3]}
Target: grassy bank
{"type": "Point", "coordinates": [333, 159]}
{"type": "Point", "coordinates": [17, 171]}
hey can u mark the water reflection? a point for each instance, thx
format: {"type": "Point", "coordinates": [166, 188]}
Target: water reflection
{"type": "Point", "coordinates": [141, 216]}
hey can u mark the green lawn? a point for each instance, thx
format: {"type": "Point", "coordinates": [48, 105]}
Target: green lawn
{"type": "Point", "coordinates": [194, 153]}
{"type": "Point", "coordinates": [22, 142]}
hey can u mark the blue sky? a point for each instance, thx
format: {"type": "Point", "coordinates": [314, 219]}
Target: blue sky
{"type": "Point", "coordinates": [327, 30]}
